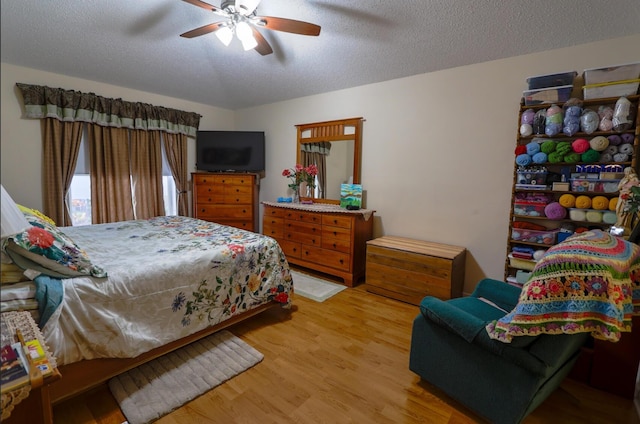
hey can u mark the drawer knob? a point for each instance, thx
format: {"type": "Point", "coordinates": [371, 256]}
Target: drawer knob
{"type": "Point", "coordinates": [341, 261]}
{"type": "Point", "coordinates": [335, 221]}
{"type": "Point", "coordinates": [334, 245]}
{"type": "Point", "coordinates": [335, 233]}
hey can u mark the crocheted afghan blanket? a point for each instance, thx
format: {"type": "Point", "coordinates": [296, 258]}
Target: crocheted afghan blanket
{"type": "Point", "coordinates": [588, 283]}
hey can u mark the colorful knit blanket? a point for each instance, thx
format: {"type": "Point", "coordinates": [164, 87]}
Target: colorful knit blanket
{"type": "Point", "coordinates": [588, 283]}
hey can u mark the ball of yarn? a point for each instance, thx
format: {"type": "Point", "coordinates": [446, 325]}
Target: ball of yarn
{"type": "Point", "coordinates": [539, 120]}
{"type": "Point", "coordinates": [622, 115]}
{"type": "Point", "coordinates": [552, 129]}
{"type": "Point", "coordinates": [555, 157]}
{"type": "Point", "coordinates": [627, 149]}
{"type": "Point", "coordinates": [523, 159]}
{"type": "Point", "coordinates": [620, 157]}
{"type": "Point", "coordinates": [538, 254]}
{"type": "Point", "coordinates": [527, 116]}
{"type": "Point", "coordinates": [539, 158]}
{"type": "Point", "coordinates": [606, 157]}
{"type": "Point", "coordinates": [583, 202]}
{"type": "Point", "coordinates": [577, 215]}
{"type": "Point", "coordinates": [606, 124]}
{"type": "Point", "coordinates": [571, 126]}
{"type": "Point", "coordinates": [533, 148]}
{"type": "Point", "coordinates": [599, 143]}
{"type": "Point", "coordinates": [567, 200]}
{"type": "Point", "coordinates": [572, 158]}
{"type": "Point", "coordinates": [548, 146]}
{"type": "Point", "coordinates": [600, 203]}
{"type": "Point", "coordinates": [626, 138]}
{"type": "Point", "coordinates": [611, 149]}
{"type": "Point", "coordinates": [590, 156]}
{"type": "Point", "coordinates": [580, 145]}
{"type": "Point", "coordinates": [594, 216]}
{"type": "Point", "coordinates": [573, 111]}
{"type": "Point", "coordinates": [609, 217]}
{"type": "Point", "coordinates": [605, 112]}
{"type": "Point", "coordinates": [614, 139]}
{"type": "Point", "coordinates": [521, 150]}
{"type": "Point", "coordinates": [555, 210]}
{"type": "Point", "coordinates": [589, 121]}
{"type": "Point", "coordinates": [564, 148]}
{"type": "Point", "coordinates": [526, 130]}
{"type": "Point", "coordinates": [613, 203]}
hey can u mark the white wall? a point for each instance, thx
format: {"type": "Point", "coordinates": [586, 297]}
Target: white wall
{"type": "Point", "coordinates": [437, 148]}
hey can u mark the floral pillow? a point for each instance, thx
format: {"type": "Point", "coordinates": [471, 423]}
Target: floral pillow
{"type": "Point", "coordinates": [45, 245]}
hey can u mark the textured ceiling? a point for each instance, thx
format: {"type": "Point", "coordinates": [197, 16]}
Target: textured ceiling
{"type": "Point", "coordinates": [136, 43]}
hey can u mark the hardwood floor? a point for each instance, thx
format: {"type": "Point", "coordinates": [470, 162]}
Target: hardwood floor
{"type": "Point", "coordinates": [341, 361]}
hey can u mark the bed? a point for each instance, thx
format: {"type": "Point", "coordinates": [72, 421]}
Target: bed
{"type": "Point", "coordinates": [131, 291]}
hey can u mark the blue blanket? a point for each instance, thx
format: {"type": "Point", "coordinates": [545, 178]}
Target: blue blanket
{"type": "Point", "coordinates": [49, 293]}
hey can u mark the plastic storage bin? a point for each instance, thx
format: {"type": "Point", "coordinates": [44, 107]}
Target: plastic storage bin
{"type": "Point", "coordinates": [611, 89]}
{"type": "Point", "coordinates": [629, 71]}
{"type": "Point", "coordinates": [551, 80]}
{"type": "Point", "coordinates": [595, 186]}
{"type": "Point", "coordinates": [528, 208]}
{"type": "Point", "coordinates": [547, 95]}
{"type": "Point", "coordinates": [533, 236]}
{"type": "Point", "coordinates": [532, 177]}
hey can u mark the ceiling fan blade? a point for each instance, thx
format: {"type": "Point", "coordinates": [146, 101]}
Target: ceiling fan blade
{"type": "Point", "coordinates": [263, 46]}
{"type": "Point", "coordinates": [206, 29]}
{"type": "Point", "coordinates": [203, 5]}
{"type": "Point", "coordinates": [246, 7]}
{"type": "Point", "coordinates": [287, 25]}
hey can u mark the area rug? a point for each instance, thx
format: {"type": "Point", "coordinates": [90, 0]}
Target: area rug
{"type": "Point", "coordinates": [314, 288]}
{"type": "Point", "coordinates": [154, 389]}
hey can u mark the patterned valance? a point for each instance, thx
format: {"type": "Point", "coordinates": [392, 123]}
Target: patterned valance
{"type": "Point", "coordinates": [69, 105]}
{"type": "Point", "coordinates": [322, 147]}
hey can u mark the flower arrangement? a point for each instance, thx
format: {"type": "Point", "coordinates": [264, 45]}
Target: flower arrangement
{"type": "Point", "coordinates": [300, 174]}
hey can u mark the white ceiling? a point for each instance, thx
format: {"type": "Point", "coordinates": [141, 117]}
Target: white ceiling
{"type": "Point", "coordinates": [136, 43]}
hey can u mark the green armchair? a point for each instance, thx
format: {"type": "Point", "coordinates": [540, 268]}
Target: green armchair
{"type": "Point", "coordinates": [451, 349]}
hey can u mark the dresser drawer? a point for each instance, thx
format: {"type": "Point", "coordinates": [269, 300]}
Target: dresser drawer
{"type": "Point", "coordinates": [235, 180]}
{"type": "Point", "coordinates": [303, 238]}
{"type": "Point", "coordinates": [271, 229]}
{"type": "Point", "coordinates": [274, 212]}
{"type": "Point", "coordinates": [338, 244]}
{"type": "Point", "coordinates": [337, 220]}
{"type": "Point", "coordinates": [302, 227]}
{"type": "Point", "coordinates": [291, 249]}
{"type": "Point", "coordinates": [242, 224]}
{"type": "Point", "coordinates": [330, 258]}
{"type": "Point", "coordinates": [210, 212]}
{"type": "Point", "coordinates": [209, 194]}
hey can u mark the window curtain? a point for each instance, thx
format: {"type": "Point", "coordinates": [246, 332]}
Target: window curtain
{"type": "Point", "coordinates": [146, 174]}
{"type": "Point", "coordinates": [111, 198]}
{"type": "Point", "coordinates": [61, 143]}
{"type": "Point", "coordinates": [175, 147]}
{"type": "Point", "coordinates": [316, 153]}
{"type": "Point", "coordinates": [69, 106]}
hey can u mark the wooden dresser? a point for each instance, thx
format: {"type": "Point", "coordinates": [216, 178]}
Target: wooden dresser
{"type": "Point", "coordinates": [228, 199]}
{"type": "Point", "coordinates": [408, 270]}
{"type": "Point", "coordinates": [322, 237]}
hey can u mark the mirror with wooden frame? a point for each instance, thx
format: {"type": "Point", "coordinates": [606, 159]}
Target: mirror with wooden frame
{"type": "Point", "coordinates": [335, 147]}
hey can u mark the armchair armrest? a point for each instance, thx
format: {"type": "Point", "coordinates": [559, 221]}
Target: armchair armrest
{"type": "Point", "coordinates": [452, 318]}
{"type": "Point", "coordinates": [502, 294]}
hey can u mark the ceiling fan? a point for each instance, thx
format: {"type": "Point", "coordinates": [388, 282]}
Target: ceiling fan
{"type": "Point", "coordinates": [240, 17]}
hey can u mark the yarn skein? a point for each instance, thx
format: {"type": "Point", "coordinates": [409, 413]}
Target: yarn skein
{"type": "Point", "coordinates": [600, 203]}
{"type": "Point", "coordinates": [567, 200]}
{"type": "Point", "coordinates": [583, 202]}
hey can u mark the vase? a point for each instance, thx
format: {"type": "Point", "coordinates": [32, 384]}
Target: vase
{"type": "Point", "coordinates": [296, 195]}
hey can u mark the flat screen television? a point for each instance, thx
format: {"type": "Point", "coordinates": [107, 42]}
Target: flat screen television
{"type": "Point", "coordinates": [230, 151]}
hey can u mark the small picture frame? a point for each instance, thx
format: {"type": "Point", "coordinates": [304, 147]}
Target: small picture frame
{"type": "Point", "coordinates": [351, 196]}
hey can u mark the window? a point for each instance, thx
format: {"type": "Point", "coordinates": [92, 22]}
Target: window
{"type": "Point", "coordinates": [79, 197]}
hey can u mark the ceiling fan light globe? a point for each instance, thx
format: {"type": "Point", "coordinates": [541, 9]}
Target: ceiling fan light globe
{"type": "Point", "coordinates": [249, 44]}
{"type": "Point", "coordinates": [243, 31]}
{"type": "Point", "coordinates": [225, 35]}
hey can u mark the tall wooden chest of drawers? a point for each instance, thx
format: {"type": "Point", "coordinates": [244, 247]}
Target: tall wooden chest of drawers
{"type": "Point", "coordinates": [324, 238]}
{"type": "Point", "coordinates": [228, 199]}
{"type": "Point", "coordinates": [408, 270]}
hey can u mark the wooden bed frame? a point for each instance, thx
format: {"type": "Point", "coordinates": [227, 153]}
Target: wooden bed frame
{"type": "Point", "coordinates": [81, 376]}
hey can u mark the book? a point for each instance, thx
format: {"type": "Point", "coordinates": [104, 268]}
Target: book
{"type": "Point", "coordinates": [14, 372]}
{"type": "Point", "coordinates": [38, 357]}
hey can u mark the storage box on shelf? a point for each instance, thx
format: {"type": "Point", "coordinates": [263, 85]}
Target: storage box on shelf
{"type": "Point", "coordinates": [598, 179]}
{"type": "Point", "coordinates": [612, 81]}
{"type": "Point", "coordinates": [551, 80]}
{"type": "Point", "coordinates": [548, 95]}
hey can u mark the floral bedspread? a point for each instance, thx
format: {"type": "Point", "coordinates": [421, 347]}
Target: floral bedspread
{"type": "Point", "coordinates": [589, 283]}
{"type": "Point", "coordinates": [168, 277]}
